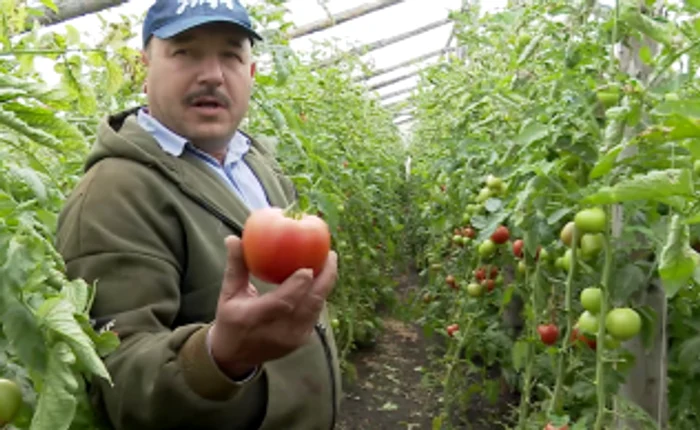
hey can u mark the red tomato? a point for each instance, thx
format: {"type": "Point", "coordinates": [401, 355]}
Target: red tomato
{"type": "Point", "coordinates": [275, 246]}
{"type": "Point", "coordinates": [451, 281]}
{"type": "Point", "coordinates": [469, 232]}
{"type": "Point", "coordinates": [576, 335]}
{"type": "Point", "coordinates": [501, 235]}
{"type": "Point", "coordinates": [480, 274]}
{"type": "Point", "coordinates": [518, 248]}
{"type": "Point", "coordinates": [451, 329]}
{"type": "Point", "coordinates": [494, 273]}
{"type": "Point", "coordinates": [551, 426]}
{"type": "Point", "coordinates": [549, 333]}
{"type": "Point", "coordinates": [490, 284]}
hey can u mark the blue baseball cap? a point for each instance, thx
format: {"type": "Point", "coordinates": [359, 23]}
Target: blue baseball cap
{"type": "Point", "coordinates": [167, 18]}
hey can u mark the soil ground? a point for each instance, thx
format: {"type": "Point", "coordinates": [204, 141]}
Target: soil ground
{"type": "Point", "coordinates": [388, 391]}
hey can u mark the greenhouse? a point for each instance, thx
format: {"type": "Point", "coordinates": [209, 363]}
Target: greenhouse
{"type": "Point", "coordinates": [349, 214]}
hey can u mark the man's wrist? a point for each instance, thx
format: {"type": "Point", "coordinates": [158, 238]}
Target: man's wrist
{"type": "Point", "coordinates": [239, 375]}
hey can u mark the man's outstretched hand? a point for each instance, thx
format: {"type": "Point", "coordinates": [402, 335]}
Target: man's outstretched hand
{"type": "Point", "coordinates": [251, 329]}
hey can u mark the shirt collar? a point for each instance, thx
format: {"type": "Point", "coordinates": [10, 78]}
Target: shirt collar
{"type": "Point", "coordinates": [175, 145]}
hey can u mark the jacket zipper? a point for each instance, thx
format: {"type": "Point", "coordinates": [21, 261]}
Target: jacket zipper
{"type": "Point", "coordinates": [320, 329]}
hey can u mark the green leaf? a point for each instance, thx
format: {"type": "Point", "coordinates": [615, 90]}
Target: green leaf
{"type": "Point", "coordinates": [689, 353]}
{"type": "Point", "coordinates": [655, 185]}
{"type": "Point", "coordinates": [57, 315]}
{"type": "Point", "coordinates": [57, 404]}
{"type": "Point", "coordinates": [677, 261]}
{"type": "Point", "coordinates": [605, 163]}
{"type": "Point", "coordinates": [685, 108]}
{"type": "Point", "coordinates": [11, 121]}
{"type": "Point", "coordinates": [519, 354]}
{"type": "Point", "coordinates": [50, 4]}
{"type": "Point", "coordinates": [532, 133]}
{"type": "Point", "coordinates": [23, 332]}
{"type": "Point", "coordinates": [33, 181]}
{"type": "Point", "coordinates": [77, 295]}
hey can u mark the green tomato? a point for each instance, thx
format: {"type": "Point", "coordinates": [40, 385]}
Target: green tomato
{"type": "Point", "coordinates": [591, 299]}
{"type": "Point", "coordinates": [10, 401]}
{"type": "Point", "coordinates": [472, 208]}
{"type": "Point", "coordinates": [591, 220]}
{"type": "Point", "coordinates": [559, 263]}
{"type": "Point", "coordinates": [487, 248]}
{"type": "Point", "coordinates": [494, 183]}
{"type": "Point", "coordinates": [696, 167]}
{"type": "Point", "coordinates": [623, 323]}
{"type": "Point", "coordinates": [671, 97]}
{"type": "Point", "coordinates": [335, 323]}
{"type": "Point", "coordinates": [484, 195]}
{"type": "Point", "coordinates": [474, 289]}
{"type": "Point", "coordinates": [566, 260]}
{"type": "Point", "coordinates": [544, 255]}
{"type": "Point", "coordinates": [466, 218]}
{"type": "Point", "coordinates": [588, 323]}
{"type": "Point", "coordinates": [592, 244]}
{"type": "Point", "coordinates": [522, 267]}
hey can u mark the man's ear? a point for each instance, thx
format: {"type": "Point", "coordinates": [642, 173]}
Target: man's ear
{"type": "Point", "coordinates": [253, 69]}
{"type": "Point", "coordinates": [144, 56]}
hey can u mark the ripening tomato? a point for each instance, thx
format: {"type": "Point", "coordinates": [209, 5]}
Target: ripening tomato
{"type": "Point", "coordinates": [576, 335]}
{"type": "Point", "coordinates": [490, 284]}
{"type": "Point", "coordinates": [480, 274]}
{"type": "Point", "coordinates": [493, 274]}
{"type": "Point", "coordinates": [275, 246]}
{"type": "Point", "coordinates": [551, 426]}
{"type": "Point", "coordinates": [469, 232]}
{"type": "Point", "coordinates": [567, 233]}
{"type": "Point", "coordinates": [549, 333]}
{"type": "Point", "coordinates": [501, 235]}
{"type": "Point", "coordinates": [451, 281]}
{"type": "Point", "coordinates": [452, 329]}
{"type": "Point", "coordinates": [518, 248]}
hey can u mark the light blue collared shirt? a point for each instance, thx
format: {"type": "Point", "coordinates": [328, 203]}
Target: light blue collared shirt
{"type": "Point", "coordinates": [234, 171]}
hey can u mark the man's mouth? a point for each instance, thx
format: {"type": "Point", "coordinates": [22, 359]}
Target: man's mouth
{"type": "Point", "coordinates": [207, 104]}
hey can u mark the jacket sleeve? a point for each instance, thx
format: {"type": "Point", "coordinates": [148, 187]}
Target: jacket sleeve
{"type": "Point", "coordinates": [114, 232]}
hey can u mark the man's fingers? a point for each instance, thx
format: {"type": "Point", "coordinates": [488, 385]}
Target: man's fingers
{"type": "Point", "coordinates": [236, 277]}
{"type": "Point", "coordinates": [290, 293]}
{"type": "Point", "coordinates": [324, 282]}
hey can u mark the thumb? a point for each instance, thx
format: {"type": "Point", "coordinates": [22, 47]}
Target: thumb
{"type": "Point", "coordinates": [236, 279]}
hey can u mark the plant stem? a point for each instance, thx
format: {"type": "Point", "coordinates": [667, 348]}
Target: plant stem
{"type": "Point", "coordinates": [556, 403]}
{"type": "Point", "coordinates": [600, 340]}
{"type": "Point", "coordinates": [532, 332]}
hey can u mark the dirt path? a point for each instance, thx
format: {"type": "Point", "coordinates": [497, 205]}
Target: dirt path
{"type": "Point", "coordinates": [388, 393]}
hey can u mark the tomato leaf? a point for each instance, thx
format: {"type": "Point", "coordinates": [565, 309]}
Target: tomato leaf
{"type": "Point", "coordinates": [605, 163]}
{"type": "Point", "coordinates": [688, 354]}
{"type": "Point", "coordinates": [677, 261]}
{"type": "Point", "coordinates": [56, 406]}
{"type": "Point", "coordinates": [657, 185]}
{"type": "Point", "coordinates": [520, 354]}
{"type": "Point", "coordinates": [57, 315]}
{"type": "Point", "coordinates": [631, 279]}
{"type": "Point", "coordinates": [23, 332]}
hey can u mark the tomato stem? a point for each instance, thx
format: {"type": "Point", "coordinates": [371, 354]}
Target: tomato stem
{"type": "Point", "coordinates": [556, 403]}
{"type": "Point", "coordinates": [532, 335]}
{"type": "Point", "coordinates": [600, 341]}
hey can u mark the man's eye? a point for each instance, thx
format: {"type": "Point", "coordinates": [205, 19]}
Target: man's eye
{"type": "Point", "coordinates": [180, 52]}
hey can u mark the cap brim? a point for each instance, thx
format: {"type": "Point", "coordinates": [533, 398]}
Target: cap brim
{"type": "Point", "coordinates": [176, 28]}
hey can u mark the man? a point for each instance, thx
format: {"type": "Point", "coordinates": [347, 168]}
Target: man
{"type": "Point", "coordinates": [156, 221]}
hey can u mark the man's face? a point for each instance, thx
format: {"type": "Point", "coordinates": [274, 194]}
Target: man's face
{"type": "Point", "coordinates": [199, 83]}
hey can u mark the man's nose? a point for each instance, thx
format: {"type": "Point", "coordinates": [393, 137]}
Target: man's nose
{"type": "Point", "coordinates": [210, 71]}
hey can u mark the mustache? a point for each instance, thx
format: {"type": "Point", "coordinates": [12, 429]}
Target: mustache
{"type": "Point", "coordinates": [222, 99]}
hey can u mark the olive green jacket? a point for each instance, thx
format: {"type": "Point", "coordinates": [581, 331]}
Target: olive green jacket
{"type": "Point", "coordinates": [149, 228]}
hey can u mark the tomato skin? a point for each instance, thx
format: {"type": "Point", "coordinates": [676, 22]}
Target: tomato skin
{"type": "Point", "coordinates": [469, 232]}
{"type": "Point", "coordinates": [518, 248]}
{"type": "Point", "coordinates": [480, 274]}
{"type": "Point", "coordinates": [493, 274]}
{"type": "Point", "coordinates": [591, 220]}
{"type": "Point", "coordinates": [623, 323]}
{"type": "Point", "coordinates": [452, 329]}
{"type": "Point", "coordinates": [551, 426]}
{"type": "Point", "coordinates": [474, 289]}
{"type": "Point", "coordinates": [451, 281]}
{"type": "Point", "coordinates": [549, 333]}
{"type": "Point", "coordinates": [567, 233]}
{"type": "Point", "coordinates": [576, 335]}
{"type": "Point", "coordinates": [592, 244]}
{"type": "Point", "coordinates": [10, 400]}
{"type": "Point", "coordinates": [487, 248]}
{"type": "Point", "coordinates": [591, 299]}
{"type": "Point", "coordinates": [501, 235]}
{"type": "Point", "coordinates": [588, 323]}
{"type": "Point", "coordinates": [275, 246]}
{"type": "Point", "coordinates": [522, 267]}
{"type": "Point", "coordinates": [490, 284]}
